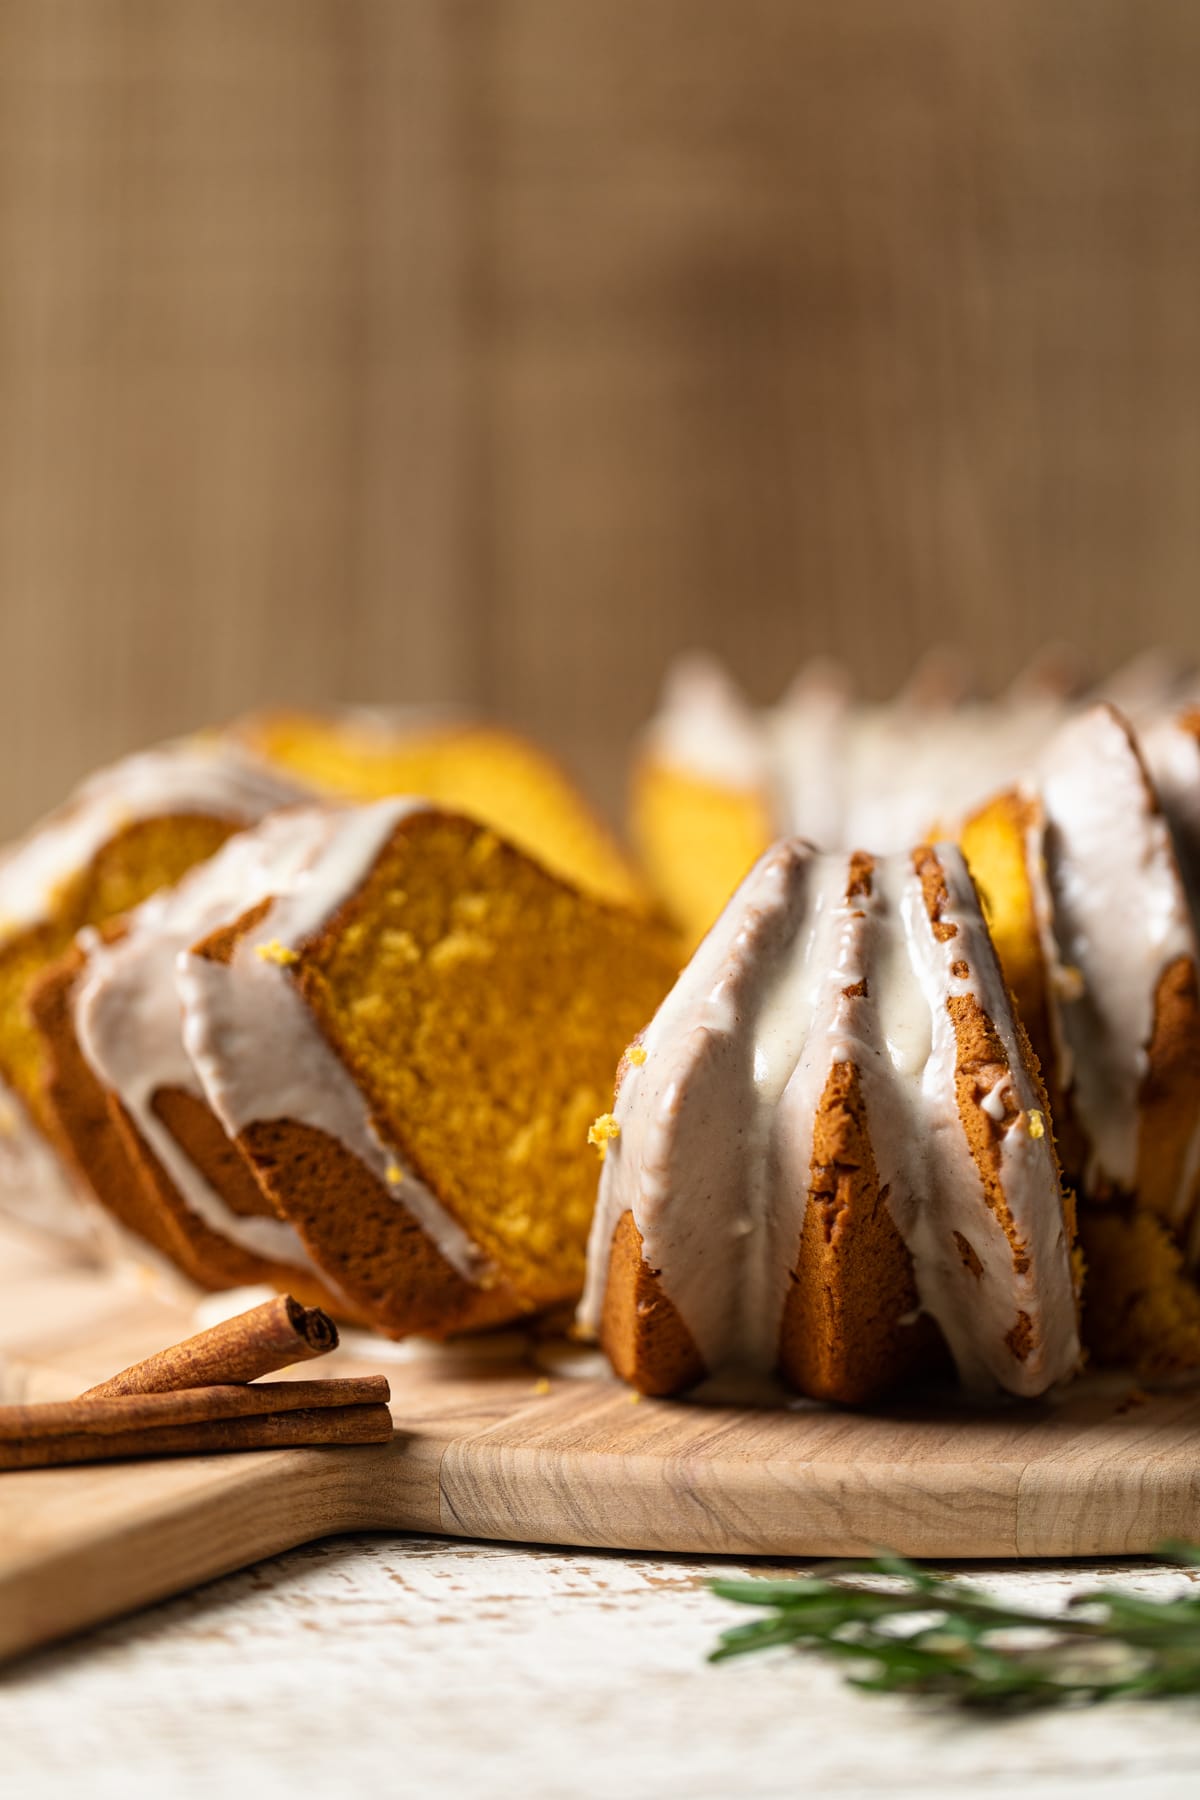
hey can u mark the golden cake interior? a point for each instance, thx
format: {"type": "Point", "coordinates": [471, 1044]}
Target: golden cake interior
{"type": "Point", "coordinates": [1140, 1307]}
{"type": "Point", "coordinates": [994, 842]}
{"type": "Point", "coordinates": [696, 840]}
{"type": "Point", "coordinates": [140, 858]}
{"type": "Point", "coordinates": [482, 1004]}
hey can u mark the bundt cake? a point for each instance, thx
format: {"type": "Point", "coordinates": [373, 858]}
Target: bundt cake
{"type": "Point", "coordinates": [290, 1029]}
{"type": "Point", "coordinates": [127, 831]}
{"type": "Point", "coordinates": [490, 774]}
{"type": "Point", "coordinates": [123, 1091]}
{"type": "Point", "coordinates": [716, 780]}
{"type": "Point", "coordinates": [407, 1047]}
{"type": "Point", "coordinates": [1091, 919]}
{"type": "Point", "coordinates": [829, 1157]}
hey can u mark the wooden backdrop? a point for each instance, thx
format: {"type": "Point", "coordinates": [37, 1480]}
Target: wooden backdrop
{"type": "Point", "coordinates": [491, 349]}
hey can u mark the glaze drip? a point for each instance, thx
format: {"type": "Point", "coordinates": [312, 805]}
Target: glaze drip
{"type": "Point", "coordinates": [127, 1008]}
{"type": "Point", "coordinates": [260, 1054]}
{"type": "Point", "coordinates": [1112, 916]}
{"type": "Point", "coordinates": [821, 960]}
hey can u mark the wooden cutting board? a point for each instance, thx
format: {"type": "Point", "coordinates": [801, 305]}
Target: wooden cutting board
{"type": "Point", "coordinates": [520, 1441]}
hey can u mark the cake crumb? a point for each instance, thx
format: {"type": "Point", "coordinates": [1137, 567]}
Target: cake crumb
{"type": "Point", "coordinates": [636, 1054]}
{"type": "Point", "coordinates": [541, 1387]}
{"type": "Point", "coordinates": [471, 907]}
{"type": "Point", "coordinates": [602, 1131]}
{"type": "Point", "coordinates": [460, 947]}
{"type": "Point", "coordinates": [634, 1397]}
{"type": "Point", "coordinates": [1037, 1124]}
{"type": "Point", "coordinates": [277, 953]}
{"type": "Point", "coordinates": [393, 1174]}
{"type": "Point", "coordinates": [369, 1006]}
{"type": "Point", "coordinates": [400, 943]}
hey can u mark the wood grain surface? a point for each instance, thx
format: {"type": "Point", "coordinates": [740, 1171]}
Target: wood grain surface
{"type": "Point", "coordinates": [355, 350]}
{"type": "Point", "coordinates": [517, 1440]}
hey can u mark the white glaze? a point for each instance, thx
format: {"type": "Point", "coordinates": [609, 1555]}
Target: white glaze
{"type": "Point", "coordinates": [705, 727]}
{"type": "Point", "coordinates": [200, 775]}
{"type": "Point", "coordinates": [843, 771]}
{"type": "Point", "coordinates": [716, 1125]}
{"type": "Point", "coordinates": [1112, 916]}
{"type": "Point", "coordinates": [127, 1011]}
{"type": "Point", "coordinates": [258, 1051]}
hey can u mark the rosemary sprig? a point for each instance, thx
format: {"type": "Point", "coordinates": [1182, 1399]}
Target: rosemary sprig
{"type": "Point", "coordinates": [902, 1630]}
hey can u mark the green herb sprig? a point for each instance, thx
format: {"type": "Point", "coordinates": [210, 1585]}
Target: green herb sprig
{"type": "Point", "coordinates": [901, 1630]}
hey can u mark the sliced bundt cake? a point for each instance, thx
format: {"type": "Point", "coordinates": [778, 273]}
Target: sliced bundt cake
{"type": "Point", "coordinates": [829, 1153]}
{"type": "Point", "coordinates": [408, 1046]}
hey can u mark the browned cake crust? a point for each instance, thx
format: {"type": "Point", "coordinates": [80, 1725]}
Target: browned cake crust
{"type": "Point", "coordinates": [1169, 1101]}
{"type": "Point", "coordinates": [842, 1338]}
{"type": "Point", "coordinates": [210, 1259]}
{"type": "Point", "coordinates": [369, 1242]}
{"type": "Point", "coordinates": [201, 1136]}
{"type": "Point", "coordinates": [851, 1326]}
{"type": "Point", "coordinates": [78, 1110]}
{"type": "Point", "coordinates": [101, 1141]}
{"type": "Point", "coordinates": [641, 1332]}
{"type": "Point", "coordinates": [980, 1063]}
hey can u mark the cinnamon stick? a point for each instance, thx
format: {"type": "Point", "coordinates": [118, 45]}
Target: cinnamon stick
{"type": "Point", "coordinates": [255, 1343]}
{"type": "Point", "coordinates": [105, 1414]}
{"type": "Point", "coordinates": [370, 1424]}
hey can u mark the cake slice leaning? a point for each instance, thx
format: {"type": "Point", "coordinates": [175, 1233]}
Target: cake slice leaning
{"type": "Point", "coordinates": [124, 1092]}
{"type": "Point", "coordinates": [127, 831]}
{"type": "Point", "coordinates": [830, 1157]}
{"type": "Point", "coordinates": [408, 1048]}
{"type": "Point", "coordinates": [489, 773]}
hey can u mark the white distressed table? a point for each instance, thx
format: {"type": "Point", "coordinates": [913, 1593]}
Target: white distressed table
{"type": "Point", "coordinates": [420, 1666]}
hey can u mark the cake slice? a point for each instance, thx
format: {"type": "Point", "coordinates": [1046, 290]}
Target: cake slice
{"type": "Point", "coordinates": [829, 1157]}
{"type": "Point", "coordinates": [125, 1095]}
{"type": "Point", "coordinates": [127, 831]}
{"type": "Point", "coordinates": [490, 774]}
{"type": "Point", "coordinates": [408, 1047]}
